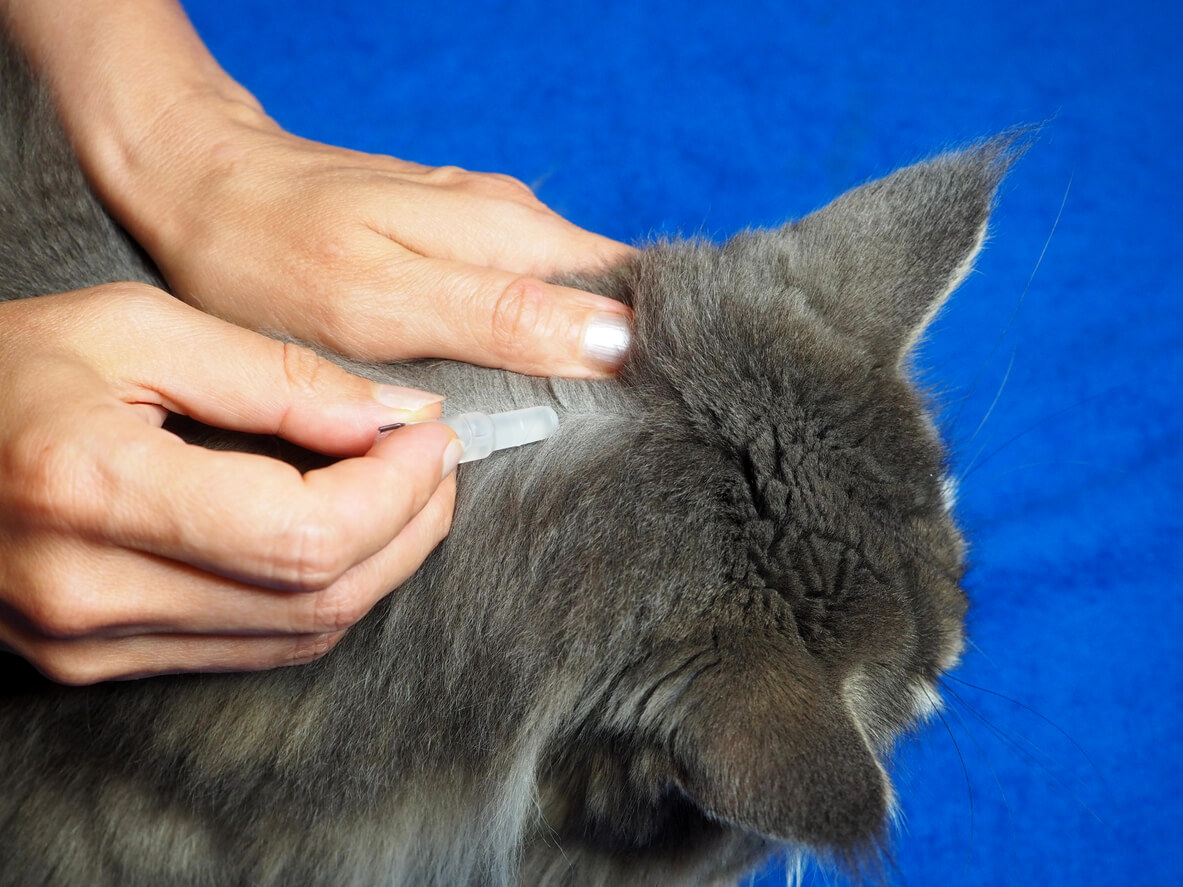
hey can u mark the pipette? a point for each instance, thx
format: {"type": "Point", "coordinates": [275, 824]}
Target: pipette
{"type": "Point", "coordinates": [484, 433]}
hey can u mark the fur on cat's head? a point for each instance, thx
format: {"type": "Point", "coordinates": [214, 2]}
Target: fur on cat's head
{"type": "Point", "coordinates": [774, 464]}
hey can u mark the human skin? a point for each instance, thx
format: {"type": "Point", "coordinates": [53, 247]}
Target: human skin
{"type": "Point", "coordinates": [372, 256]}
{"type": "Point", "coordinates": [123, 551]}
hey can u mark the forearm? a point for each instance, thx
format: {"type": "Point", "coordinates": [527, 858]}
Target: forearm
{"type": "Point", "coordinates": [119, 71]}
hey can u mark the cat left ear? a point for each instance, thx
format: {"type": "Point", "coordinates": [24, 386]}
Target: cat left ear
{"type": "Point", "coordinates": [879, 261]}
{"type": "Point", "coordinates": [761, 742]}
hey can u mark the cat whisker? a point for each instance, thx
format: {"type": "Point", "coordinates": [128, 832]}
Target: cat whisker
{"type": "Point", "coordinates": [1034, 757]}
{"type": "Point", "coordinates": [989, 765]}
{"type": "Point", "coordinates": [969, 791]}
{"type": "Point", "coordinates": [970, 642]}
{"type": "Point", "coordinates": [1035, 753]}
{"type": "Point", "coordinates": [998, 394]}
{"type": "Point", "coordinates": [977, 465]}
{"type": "Point", "coordinates": [1079, 748]}
{"type": "Point", "coordinates": [986, 417]}
{"type": "Point", "coordinates": [1014, 313]}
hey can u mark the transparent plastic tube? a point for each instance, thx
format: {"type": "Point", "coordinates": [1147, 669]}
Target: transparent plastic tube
{"type": "Point", "coordinates": [483, 433]}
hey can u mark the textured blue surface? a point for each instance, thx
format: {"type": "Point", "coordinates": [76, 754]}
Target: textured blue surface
{"type": "Point", "coordinates": [1060, 376]}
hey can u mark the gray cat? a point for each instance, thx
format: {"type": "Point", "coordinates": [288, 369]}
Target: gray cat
{"type": "Point", "coordinates": [677, 638]}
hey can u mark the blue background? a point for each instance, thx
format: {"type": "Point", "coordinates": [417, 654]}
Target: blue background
{"type": "Point", "coordinates": [1058, 760]}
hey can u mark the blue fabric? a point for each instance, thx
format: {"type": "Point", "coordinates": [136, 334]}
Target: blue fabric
{"type": "Point", "coordinates": [1058, 760]}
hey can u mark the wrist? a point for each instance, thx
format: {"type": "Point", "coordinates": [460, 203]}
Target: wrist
{"type": "Point", "coordinates": [139, 95]}
{"type": "Point", "coordinates": [149, 171]}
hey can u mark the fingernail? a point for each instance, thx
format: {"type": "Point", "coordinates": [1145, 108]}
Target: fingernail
{"type": "Point", "coordinates": [605, 341]}
{"type": "Point", "coordinates": [452, 456]}
{"type": "Point", "coordinates": [412, 400]}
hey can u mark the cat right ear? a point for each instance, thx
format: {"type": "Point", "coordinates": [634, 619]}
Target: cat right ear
{"type": "Point", "coordinates": [762, 743]}
{"type": "Point", "coordinates": [880, 260]}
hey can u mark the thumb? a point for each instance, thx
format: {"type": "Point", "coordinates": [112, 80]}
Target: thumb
{"type": "Point", "coordinates": [221, 374]}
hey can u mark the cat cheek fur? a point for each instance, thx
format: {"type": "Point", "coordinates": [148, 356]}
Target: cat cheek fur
{"type": "Point", "coordinates": [675, 638]}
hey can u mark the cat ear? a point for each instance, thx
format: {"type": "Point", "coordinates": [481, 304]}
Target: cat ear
{"type": "Point", "coordinates": [880, 260]}
{"type": "Point", "coordinates": [761, 743]}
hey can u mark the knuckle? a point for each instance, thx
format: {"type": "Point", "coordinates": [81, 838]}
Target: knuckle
{"type": "Point", "coordinates": [311, 555]}
{"type": "Point", "coordinates": [448, 176]}
{"type": "Point", "coordinates": [495, 184]}
{"type": "Point", "coordinates": [303, 370]}
{"type": "Point", "coordinates": [57, 613]}
{"type": "Point", "coordinates": [43, 474]}
{"type": "Point", "coordinates": [309, 648]}
{"type": "Point", "coordinates": [518, 313]}
{"type": "Point", "coordinates": [338, 609]}
{"type": "Point", "coordinates": [118, 314]}
{"type": "Point", "coordinates": [510, 187]}
{"type": "Point", "coordinates": [131, 298]}
{"type": "Point", "coordinates": [63, 665]}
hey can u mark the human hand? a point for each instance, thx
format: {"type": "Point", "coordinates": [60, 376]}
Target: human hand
{"type": "Point", "coordinates": [371, 256]}
{"type": "Point", "coordinates": [126, 552]}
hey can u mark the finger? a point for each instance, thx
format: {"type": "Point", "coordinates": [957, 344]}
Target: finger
{"type": "Point", "coordinates": [376, 577]}
{"type": "Point", "coordinates": [240, 515]}
{"type": "Point", "coordinates": [260, 521]}
{"type": "Point", "coordinates": [48, 599]}
{"type": "Point", "coordinates": [496, 319]}
{"type": "Point", "coordinates": [504, 225]}
{"type": "Point", "coordinates": [231, 377]}
{"type": "Point", "coordinates": [92, 660]}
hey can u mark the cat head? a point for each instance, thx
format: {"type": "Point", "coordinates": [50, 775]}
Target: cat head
{"type": "Point", "coordinates": [767, 525]}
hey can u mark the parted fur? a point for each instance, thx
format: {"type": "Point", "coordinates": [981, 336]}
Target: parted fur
{"type": "Point", "coordinates": [678, 637]}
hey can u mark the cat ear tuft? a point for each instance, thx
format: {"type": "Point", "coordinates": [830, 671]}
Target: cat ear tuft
{"type": "Point", "coordinates": [762, 745]}
{"type": "Point", "coordinates": [879, 261]}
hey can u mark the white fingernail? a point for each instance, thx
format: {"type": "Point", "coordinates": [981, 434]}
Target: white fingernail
{"type": "Point", "coordinates": [605, 341]}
